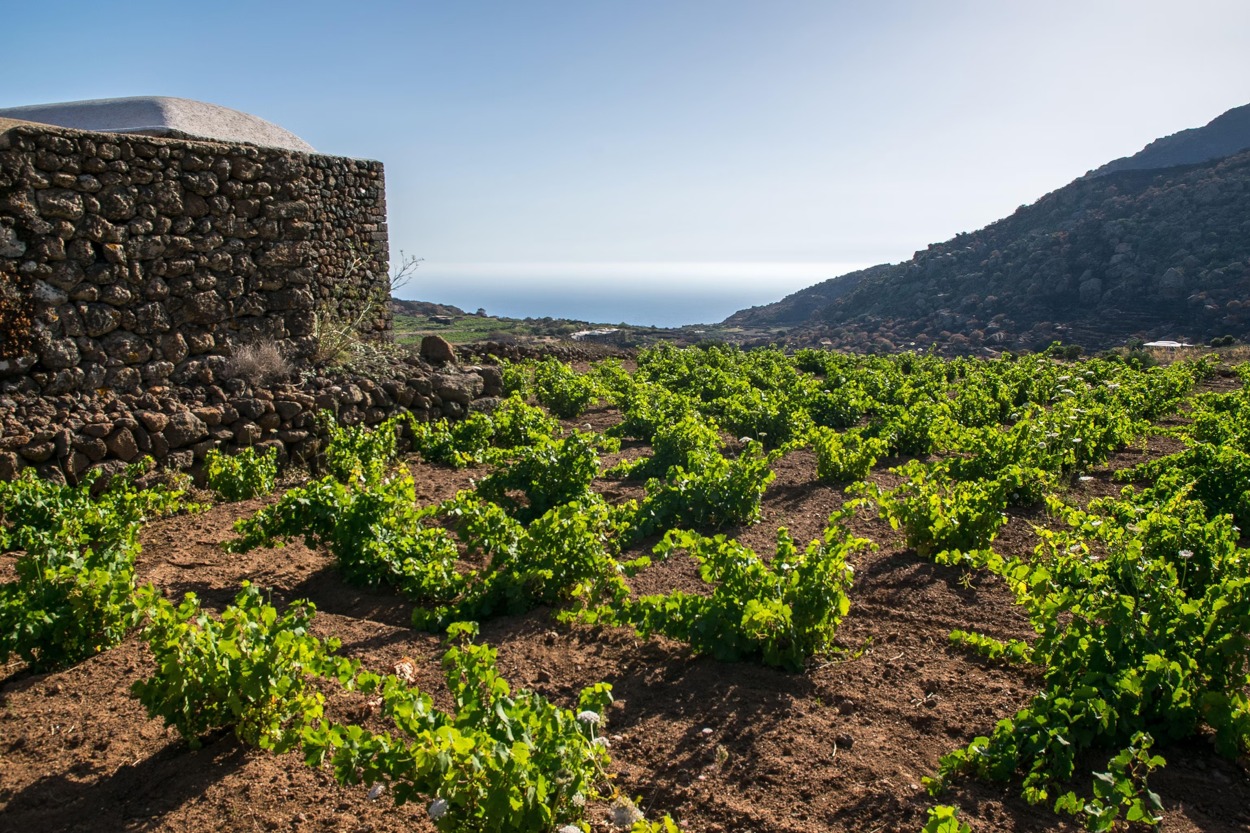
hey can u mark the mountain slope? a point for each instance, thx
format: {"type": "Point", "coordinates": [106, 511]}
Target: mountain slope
{"type": "Point", "coordinates": [1224, 135]}
{"type": "Point", "coordinates": [1129, 253]}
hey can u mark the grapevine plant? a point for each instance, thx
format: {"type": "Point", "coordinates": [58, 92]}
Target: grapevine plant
{"type": "Point", "coordinates": [75, 593]}
{"type": "Point", "coordinates": [547, 474]}
{"type": "Point", "coordinates": [1142, 610]}
{"type": "Point", "coordinates": [498, 761]}
{"type": "Point", "coordinates": [358, 453]}
{"type": "Point", "coordinates": [482, 437]}
{"type": "Point", "coordinates": [251, 671]}
{"type": "Point", "coordinates": [564, 555]}
{"type": "Point", "coordinates": [710, 490]}
{"type": "Point", "coordinates": [950, 521]}
{"type": "Point", "coordinates": [377, 534]}
{"type": "Point", "coordinates": [782, 611]}
{"type": "Point", "coordinates": [562, 390]}
{"type": "Point", "coordinates": [245, 475]}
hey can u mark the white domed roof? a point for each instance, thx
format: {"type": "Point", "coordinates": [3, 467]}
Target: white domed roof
{"type": "Point", "coordinates": [161, 116]}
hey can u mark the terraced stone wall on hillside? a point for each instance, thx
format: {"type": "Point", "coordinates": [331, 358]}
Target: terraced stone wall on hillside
{"type": "Point", "coordinates": [129, 262]}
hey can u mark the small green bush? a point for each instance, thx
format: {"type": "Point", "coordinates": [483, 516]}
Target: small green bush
{"type": "Point", "coordinates": [782, 611]}
{"type": "Point", "coordinates": [499, 762]}
{"type": "Point", "coordinates": [562, 390]}
{"type": "Point", "coordinates": [358, 452]}
{"type": "Point", "coordinates": [709, 491]}
{"type": "Point", "coordinates": [243, 476]}
{"type": "Point", "coordinates": [250, 671]}
{"type": "Point", "coordinates": [75, 593]}
{"type": "Point", "coordinates": [548, 473]}
{"type": "Point", "coordinates": [846, 457]}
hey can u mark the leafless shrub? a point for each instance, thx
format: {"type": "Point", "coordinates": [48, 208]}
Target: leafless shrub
{"type": "Point", "coordinates": [259, 364]}
{"type": "Point", "coordinates": [403, 272]}
{"type": "Point", "coordinates": [339, 336]}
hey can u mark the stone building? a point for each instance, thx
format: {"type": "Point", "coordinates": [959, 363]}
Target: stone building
{"type": "Point", "coordinates": [141, 238]}
{"type": "Point", "coordinates": [143, 243]}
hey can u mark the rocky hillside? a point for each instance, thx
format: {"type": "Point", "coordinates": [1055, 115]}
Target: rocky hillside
{"type": "Point", "coordinates": [1223, 136]}
{"type": "Point", "coordinates": [423, 308]}
{"type": "Point", "coordinates": [1127, 253]}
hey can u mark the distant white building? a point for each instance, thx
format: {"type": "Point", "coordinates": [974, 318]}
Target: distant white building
{"type": "Point", "coordinates": [594, 334]}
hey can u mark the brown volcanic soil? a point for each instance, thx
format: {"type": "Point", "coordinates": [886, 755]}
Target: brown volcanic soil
{"type": "Point", "coordinates": [723, 747]}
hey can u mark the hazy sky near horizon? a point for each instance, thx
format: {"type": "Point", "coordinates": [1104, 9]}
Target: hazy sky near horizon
{"type": "Point", "coordinates": [670, 131]}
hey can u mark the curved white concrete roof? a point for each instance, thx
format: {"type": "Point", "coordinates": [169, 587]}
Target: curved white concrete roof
{"type": "Point", "coordinates": [161, 116]}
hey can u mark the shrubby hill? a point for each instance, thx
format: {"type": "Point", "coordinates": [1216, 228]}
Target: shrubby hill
{"type": "Point", "coordinates": [1132, 250]}
{"type": "Point", "coordinates": [1223, 136]}
{"type": "Point", "coordinates": [423, 308]}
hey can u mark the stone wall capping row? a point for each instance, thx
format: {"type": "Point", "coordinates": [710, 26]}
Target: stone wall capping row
{"type": "Point", "coordinates": [63, 437]}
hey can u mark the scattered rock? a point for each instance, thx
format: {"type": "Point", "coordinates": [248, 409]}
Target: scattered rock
{"type": "Point", "coordinates": [437, 350]}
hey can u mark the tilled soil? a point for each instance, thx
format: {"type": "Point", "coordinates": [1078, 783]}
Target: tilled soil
{"type": "Point", "coordinates": [722, 747]}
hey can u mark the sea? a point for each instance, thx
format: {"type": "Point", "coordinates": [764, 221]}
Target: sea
{"type": "Point", "coordinates": [659, 294]}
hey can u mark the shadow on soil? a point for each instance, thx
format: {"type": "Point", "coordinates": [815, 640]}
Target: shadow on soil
{"type": "Point", "coordinates": [325, 588]}
{"type": "Point", "coordinates": [139, 796]}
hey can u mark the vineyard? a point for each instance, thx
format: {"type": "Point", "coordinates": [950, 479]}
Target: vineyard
{"type": "Point", "coordinates": [706, 590]}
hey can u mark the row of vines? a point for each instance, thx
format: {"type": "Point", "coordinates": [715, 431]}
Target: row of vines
{"type": "Point", "coordinates": [1140, 603]}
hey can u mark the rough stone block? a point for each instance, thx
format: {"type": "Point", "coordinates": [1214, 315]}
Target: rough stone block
{"type": "Point", "coordinates": [183, 429]}
{"type": "Point", "coordinates": [60, 203]}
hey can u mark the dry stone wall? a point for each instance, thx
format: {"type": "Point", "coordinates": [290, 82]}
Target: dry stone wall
{"type": "Point", "coordinates": [132, 269]}
{"type": "Point", "coordinates": [132, 261]}
{"type": "Point", "coordinates": [65, 436]}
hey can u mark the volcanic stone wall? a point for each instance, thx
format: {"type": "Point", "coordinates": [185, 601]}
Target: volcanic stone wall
{"type": "Point", "coordinates": [132, 262]}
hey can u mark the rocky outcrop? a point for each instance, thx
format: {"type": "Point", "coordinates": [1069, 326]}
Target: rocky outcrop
{"type": "Point", "coordinates": [437, 350]}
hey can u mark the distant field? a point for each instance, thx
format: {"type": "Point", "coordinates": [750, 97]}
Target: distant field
{"type": "Point", "coordinates": [465, 329]}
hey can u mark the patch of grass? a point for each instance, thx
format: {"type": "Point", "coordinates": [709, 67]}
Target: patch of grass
{"type": "Point", "coordinates": [462, 330]}
{"type": "Point", "coordinates": [469, 328]}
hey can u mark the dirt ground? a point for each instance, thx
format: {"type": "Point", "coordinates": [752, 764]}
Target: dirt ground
{"type": "Point", "coordinates": [722, 747]}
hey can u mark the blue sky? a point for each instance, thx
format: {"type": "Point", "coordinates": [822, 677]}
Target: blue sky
{"type": "Point", "coordinates": [675, 132]}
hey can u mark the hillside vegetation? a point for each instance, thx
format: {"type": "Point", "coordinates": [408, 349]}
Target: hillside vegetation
{"type": "Point", "coordinates": [1122, 254]}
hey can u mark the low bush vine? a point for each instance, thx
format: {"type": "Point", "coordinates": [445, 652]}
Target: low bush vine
{"type": "Point", "coordinates": [1142, 610]}
{"type": "Point", "coordinates": [845, 457]}
{"type": "Point", "coordinates": [251, 670]}
{"type": "Point", "coordinates": [358, 453]}
{"type": "Point", "coordinates": [710, 490]}
{"type": "Point", "coordinates": [74, 594]}
{"type": "Point", "coordinates": [672, 445]}
{"type": "Point", "coordinates": [950, 521]}
{"type": "Point", "coordinates": [481, 437]}
{"type": "Point", "coordinates": [562, 390]}
{"type": "Point", "coordinates": [547, 474]}
{"type": "Point", "coordinates": [498, 762]}
{"type": "Point", "coordinates": [782, 611]}
{"type": "Point", "coordinates": [376, 534]}
{"type": "Point", "coordinates": [565, 555]}
{"type": "Point", "coordinates": [245, 475]}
